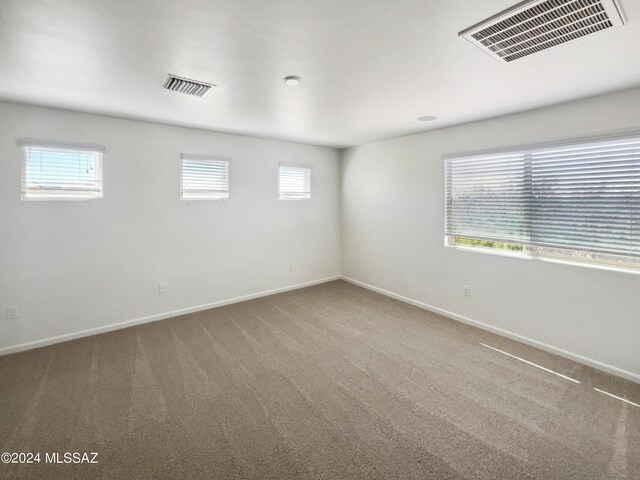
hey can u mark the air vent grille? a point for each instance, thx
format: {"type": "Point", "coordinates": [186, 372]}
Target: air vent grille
{"type": "Point", "coordinates": [537, 25]}
{"type": "Point", "coordinates": [186, 86]}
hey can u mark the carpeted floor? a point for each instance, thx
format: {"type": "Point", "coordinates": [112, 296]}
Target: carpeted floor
{"type": "Point", "coordinates": [328, 382]}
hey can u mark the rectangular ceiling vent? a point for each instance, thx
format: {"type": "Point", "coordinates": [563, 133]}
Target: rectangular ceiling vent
{"type": "Point", "coordinates": [536, 25]}
{"type": "Point", "coordinates": [186, 86]}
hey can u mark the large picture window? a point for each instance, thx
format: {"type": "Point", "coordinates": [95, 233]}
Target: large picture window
{"type": "Point", "coordinates": [578, 200]}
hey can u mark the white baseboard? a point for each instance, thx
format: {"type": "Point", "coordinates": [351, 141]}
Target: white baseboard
{"type": "Point", "coordinates": [619, 372]}
{"type": "Point", "coordinates": [626, 374]}
{"type": "Point", "coordinates": [152, 318]}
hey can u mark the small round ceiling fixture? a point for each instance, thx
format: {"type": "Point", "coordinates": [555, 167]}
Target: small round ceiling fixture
{"type": "Point", "coordinates": [427, 118]}
{"type": "Point", "coordinates": [292, 80]}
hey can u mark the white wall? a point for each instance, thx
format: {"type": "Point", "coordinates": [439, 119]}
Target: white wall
{"type": "Point", "coordinates": [392, 238]}
{"type": "Point", "coordinates": [72, 266]}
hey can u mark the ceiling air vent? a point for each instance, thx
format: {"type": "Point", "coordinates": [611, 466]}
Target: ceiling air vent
{"type": "Point", "coordinates": [535, 25]}
{"type": "Point", "coordinates": [186, 86]}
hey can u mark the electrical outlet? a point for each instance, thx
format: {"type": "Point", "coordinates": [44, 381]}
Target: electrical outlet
{"type": "Point", "coordinates": [291, 267]}
{"type": "Point", "coordinates": [467, 291]}
{"type": "Point", "coordinates": [162, 287]}
{"type": "Point", "coordinates": [12, 313]}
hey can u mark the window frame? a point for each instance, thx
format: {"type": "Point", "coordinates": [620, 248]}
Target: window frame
{"type": "Point", "coordinates": [36, 195]}
{"type": "Point", "coordinates": [294, 165]}
{"type": "Point", "coordinates": [529, 252]}
{"type": "Point", "coordinates": [204, 159]}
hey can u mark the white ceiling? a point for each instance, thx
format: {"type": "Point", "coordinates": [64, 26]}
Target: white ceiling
{"type": "Point", "coordinates": [369, 67]}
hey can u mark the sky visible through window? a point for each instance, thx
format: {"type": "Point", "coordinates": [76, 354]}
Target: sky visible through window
{"type": "Point", "coordinates": [59, 169]}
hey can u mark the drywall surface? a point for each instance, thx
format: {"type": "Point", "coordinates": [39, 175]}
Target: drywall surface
{"type": "Point", "coordinates": [393, 237]}
{"type": "Point", "coordinates": [76, 266]}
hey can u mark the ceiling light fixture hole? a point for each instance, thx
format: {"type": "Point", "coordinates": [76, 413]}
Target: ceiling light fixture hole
{"type": "Point", "coordinates": [292, 80]}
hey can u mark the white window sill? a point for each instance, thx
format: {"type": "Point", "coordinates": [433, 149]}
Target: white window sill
{"type": "Point", "coordinates": [59, 198]}
{"type": "Point", "coordinates": [524, 256]}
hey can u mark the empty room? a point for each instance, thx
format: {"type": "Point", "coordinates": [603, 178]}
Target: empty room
{"type": "Point", "coordinates": [320, 239]}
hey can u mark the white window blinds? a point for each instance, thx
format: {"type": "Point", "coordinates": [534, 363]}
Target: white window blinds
{"type": "Point", "coordinates": [204, 178]}
{"type": "Point", "coordinates": [59, 172]}
{"type": "Point", "coordinates": [582, 196]}
{"type": "Point", "coordinates": [294, 182]}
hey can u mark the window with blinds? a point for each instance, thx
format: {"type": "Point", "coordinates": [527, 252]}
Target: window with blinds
{"type": "Point", "coordinates": [294, 182]}
{"type": "Point", "coordinates": [61, 172]}
{"type": "Point", "coordinates": [579, 200]}
{"type": "Point", "coordinates": [204, 178]}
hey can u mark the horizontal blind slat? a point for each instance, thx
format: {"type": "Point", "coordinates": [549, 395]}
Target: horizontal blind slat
{"type": "Point", "coordinates": [204, 179]}
{"type": "Point", "coordinates": [585, 195]}
{"type": "Point", "coordinates": [294, 182]}
{"type": "Point", "coordinates": [60, 172]}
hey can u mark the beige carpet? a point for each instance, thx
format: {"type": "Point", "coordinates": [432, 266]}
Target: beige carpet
{"type": "Point", "coordinates": [329, 382]}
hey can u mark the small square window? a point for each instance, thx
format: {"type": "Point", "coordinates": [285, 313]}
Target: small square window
{"type": "Point", "coordinates": [204, 178]}
{"type": "Point", "coordinates": [61, 173]}
{"type": "Point", "coordinates": [294, 182]}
